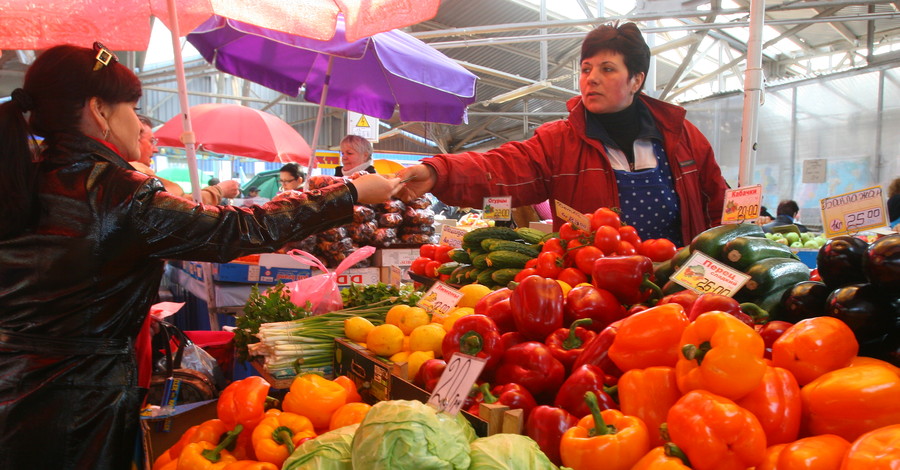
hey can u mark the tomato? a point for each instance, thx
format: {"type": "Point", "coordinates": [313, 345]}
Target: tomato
{"type": "Point", "coordinates": [568, 232]}
{"type": "Point", "coordinates": [658, 249]}
{"type": "Point", "coordinates": [441, 253]}
{"type": "Point", "coordinates": [556, 245]}
{"type": "Point", "coordinates": [531, 263]}
{"type": "Point", "coordinates": [605, 216]}
{"type": "Point", "coordinates": [572, 276]}
{"type": "Point", "coordinates": [572, 249]}
{"type": "Point", "coordinates": [607, 239]}
{"type": "Point", "coordinates": [431, 269]}
{"type": "Point", "coordinates": [524, 273]}
{"type": "Point", "coordinates": [427, 250]}
{"type": "Point", "coordinates": [549, 264]}
{"type": "Point", "coordinates": [630, 235]}
{"type": "Point", "coordinates": [418, 265]}
{"type": "Point", "coordinates": [625, 249]}
{"type": "Point", "coordinates": [770, 332]}
{"type": "Point", "coordinates": [584, 259]}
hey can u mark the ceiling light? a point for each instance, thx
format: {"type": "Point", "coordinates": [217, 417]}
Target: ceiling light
{"type": "Point", "coordinates": [520, 92]}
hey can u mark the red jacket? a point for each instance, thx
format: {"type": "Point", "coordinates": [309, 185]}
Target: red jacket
{"type": "Point", "coordinates": [560, 162]}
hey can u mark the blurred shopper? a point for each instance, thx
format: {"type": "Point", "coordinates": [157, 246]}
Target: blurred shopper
{"type": "Point", "coordinates": [356, 156]}
{"type": "Point", "coordinates": [82, 248]}
{"type": "Point", "coordinates": [785, 214]}
{"type": "Point", "coordinates": [618, 148]}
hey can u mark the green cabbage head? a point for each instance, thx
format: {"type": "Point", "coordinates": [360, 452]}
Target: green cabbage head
{"type": "Point", "coordinates": [328, 451]}
{"type": "Point", "coordinates": [508, 452]}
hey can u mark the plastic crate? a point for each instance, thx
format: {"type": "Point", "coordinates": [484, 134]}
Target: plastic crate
{"type": "Point", "coordinates": [219, 344]}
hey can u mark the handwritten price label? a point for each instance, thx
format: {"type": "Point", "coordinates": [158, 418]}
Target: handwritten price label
{"type": "Point", "coordinates": [742, 204]}
{"type": "Point", "coordinates": [572, 216]}
{"type": "Point", "coordinates": [853, 212]}
{"type": "Point", "coordinates": [452, 236]}
{"type": "Point", "coordinates": [497, 208]}
{"type": "Point", "coordinates": [440, 299]}
{"type": "Point", "coordinates": [702, 274]}
{"type": "Point", "coordinates": [455, 383]}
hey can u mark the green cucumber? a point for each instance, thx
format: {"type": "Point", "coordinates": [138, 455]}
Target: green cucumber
{"type": "Point", "coordinates": [680, 257]}
{"type": "Point", "coordinates": [742, 252]}
{"type": "Point", "coordinates": [473, 239]}
{"type": "Point", "coordinates": [484, 277]}
{"type": "Point", "coordinates": [480, 261]}
{"type": "Point", "coordinates": [507, 259]}
{"type": "Point", "coordinates": [770, 275]}
{"type": "Point", "coordinates": [448, 267]}
{"type": "Point", "coordinates": [506, 245]}
{"type": "Point", "coordinates": [458, 276]}
{"type": "Point", "coordinates": [504, 276]}
{"type": "Point", "coordinates": [713, 240]}
{"type": "Point", "coordinates": [460, 256]}
{"type": "Point", "coordinates": [530, 235]}
{"type": "Point", "coordinates": [662, 272]}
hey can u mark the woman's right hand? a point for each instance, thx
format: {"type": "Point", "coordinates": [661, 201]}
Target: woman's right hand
{"type": "Point", "coordinates": [420, 179]}
{"type": "Point", "coordinates": [375, 189]}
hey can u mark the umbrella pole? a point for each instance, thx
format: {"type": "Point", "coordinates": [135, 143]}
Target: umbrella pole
{"type": "Point", "coordinates": [189, 141]}
{"type": "Point", "coordinates": [753, 93]}
{"type": "Point", "coordinates": [319, 116]}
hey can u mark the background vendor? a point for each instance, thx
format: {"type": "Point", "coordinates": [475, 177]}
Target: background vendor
{"type": "Point", "coordinates": [356, 156]}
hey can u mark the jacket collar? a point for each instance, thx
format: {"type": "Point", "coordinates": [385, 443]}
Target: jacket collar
{"type": "Point", "coordinates": [669, 117]}
{"type": "Point", "coordinates": [81, 147]}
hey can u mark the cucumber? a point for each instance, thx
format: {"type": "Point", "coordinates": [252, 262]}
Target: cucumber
{"type": "Point", "coordinates": [680, 257]}
{"type": "Point", "coordinates": [507, 259]}
{"type": "Point", "coordinates": [506, 245]}
{"type": "Point", "coordinates": [671, 287]}
{"type": "Point", "coordinates": [458, 276]}
{"type": "Point", "coordinates": [742, 252]}
{"type": "Point", "coordinates": [504, 276]}
{"type": "Point", "coordinates": [460, 256]}
{"type": "Point", "coordinates": [662, 272]}
{"type": "Point", "coordinates": [770, 275]}
{"type": "Point", "coordinates": [713, 240]}
{"type": "Point", "coordinates": [473, 239]}
{"type": "Point", "coordinates": [480, 261]}
{"type": "Point", "coordinates": [447, 268]}
{"type": "Point", "coordinates": [530, 235]}
{"type": "Point", "coordinates": [484, 277]}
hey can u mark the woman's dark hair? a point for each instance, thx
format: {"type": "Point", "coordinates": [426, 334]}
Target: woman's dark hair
{"type": "Point", "coordinates": [57, 86]}
{"type": "Point", "coordinates": [294, 170]}
{"type": "Point", "coordinates": [626, 40]}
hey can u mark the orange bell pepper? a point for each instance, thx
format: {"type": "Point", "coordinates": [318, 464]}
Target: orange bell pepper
{"type": "Point", "coordinates": [868, 361]}
{"type": "Point", "coordinates": [607, 436]}
{"type": "Point", "coordinates": [715, 433]}
{"type": "Point", "coordinates": [276, 436]}
{"type": "Point", "coordinates": [209, 431]}
{"type": "Point", "coordinates": [814, 346]}
{"type": "Point", "coordinates": [250, 465]}
{"type": "Point", "coordinates": [648, 394]}
{"type": "Point", "coordinates": [243, 402]}
{"type": "Point", "coordinates": [315, 397]}
{"type": "Point", "coordinates": [649, 338]}
{"type": "Point", "coordinates": [776, 404]}
{"type": "Point", "coordinates": [352, 392]}
{"type": "Point", "coordinates": [875, 450]}
{"type": "Point", "coordinates": [668, 457]}
{"type": "Point", "coordinates": [851, 401]}
{"type": "Point", "coordinates": [720, 354]}
{"type": "Point", "coordinates": [824, 452]}
{"type": "Point", "coordinates": [350, 413]}
{"type": "Point", "coordinates": [205, 455]}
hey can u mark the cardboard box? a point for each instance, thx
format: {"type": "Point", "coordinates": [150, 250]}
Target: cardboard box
{"type": "Point", "coordinates": [542, 226]}
{"type": "Point", "coordinates": [395, 256]}
{"type": "Point", "coordinates": [246, 273]}
{"type": "Point", "coordinates": [158, 435]}
{"type": "Point", "coordinates": [394, 275]}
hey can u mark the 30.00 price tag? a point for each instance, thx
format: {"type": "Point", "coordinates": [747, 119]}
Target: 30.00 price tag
{"type": "Point", "coordinates": [440, 299]}
{"type": "Point", "coordinates": [853, 212]}
{"type": "Point", "coordinates": [455, 383]}
{"type": "Point", "coordinates": [703, 274]}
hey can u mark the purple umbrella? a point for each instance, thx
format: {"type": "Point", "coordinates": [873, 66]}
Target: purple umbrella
{"type": "Point", "coordinates": [372, 76]}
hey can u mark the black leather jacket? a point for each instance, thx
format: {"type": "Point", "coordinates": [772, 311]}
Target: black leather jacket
{"type": "Point", "coordinates": [75, 291]}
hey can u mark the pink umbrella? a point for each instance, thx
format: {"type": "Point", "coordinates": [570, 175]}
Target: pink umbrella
{"type": "Point", "coordinates": [238, 130]}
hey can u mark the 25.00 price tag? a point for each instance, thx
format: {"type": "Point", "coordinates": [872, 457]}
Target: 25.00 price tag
{"type": "Point", "coordinates": [455, 383]}
{"type": "Point", "coordinates": [439, 300]}
{"type": "Point", "coordinates": [853, 212]}
{"type": "Point", "coordinates": [703, 274]}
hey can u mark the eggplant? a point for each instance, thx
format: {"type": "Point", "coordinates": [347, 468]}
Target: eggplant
{"type": "Point", "coordinates": [806, 299]}
{"type": "Point", "coordinates": [865, 309]}
{"type": "Point", "coordinates": [882, 263]}
{"type": "Point", "coordinates": [840, 261]}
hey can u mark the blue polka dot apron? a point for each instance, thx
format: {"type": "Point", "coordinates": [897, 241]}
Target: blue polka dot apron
{"type": "Point", "coordinates": [648, 200]}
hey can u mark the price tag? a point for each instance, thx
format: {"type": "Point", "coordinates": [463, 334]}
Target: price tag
{"type": "Point", "coordinates": [497, 208]}
{"type": "Point", "coordinates": [439, 300]}
{"type": "Point", "coordinates": [853, 212]}
{"type": "Point", "coordinates": [742, 204]}
{"type": "Point", "coordinates": [452, 236]}
{"type": "Point", "coordinates": [702, 274]}
{"type": "Point", "coordinates": [455, 383]}
{"type": "Point", "coordinates": [572, 216]}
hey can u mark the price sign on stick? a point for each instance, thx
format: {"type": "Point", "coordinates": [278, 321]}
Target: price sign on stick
{"type": "Point", "coordinates": [572, 216]}
{"type": "Point", "coordinates": [702, 274]}
{"type": "Point", "coordinates": [455, 383]}
{"type": "Point", "coordinates": [497, 208]}
{"type": "Point", "coordinates": [439, 300]}
{"type": "Point", "coordinates": [452, 236]}
{"type": "Point", "coordinates": [853, 212]}
{"type": "Point", "coordinates": [742, 204]}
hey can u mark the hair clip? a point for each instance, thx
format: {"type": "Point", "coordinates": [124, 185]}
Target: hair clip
{"type": "Point", "coordinates": [104, 56]}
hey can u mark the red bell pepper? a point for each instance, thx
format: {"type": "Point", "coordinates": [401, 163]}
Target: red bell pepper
{"type": "Point", "coordinates": [567, 343]}
{"type": "Point", "coordinates": [770, 332]}
{"type": "Point", "coordinates": [511, 339]}
{"type": "Point", "coordinates": [748, 313]}
{"type": "Point", "coordinates": [599, 305]}
{"type": "Point", "coordinates": [475, 335]}
{"type": "Point", "coordinates": [496, 305]}
{"type": "Point", "coordinates": [546, 425]}
{"type": "Point", "coordinates": [586, 378]}
{"type": "Point", "coordinates": [537, 307]}
{"type": "Point", "coordinates": [531, 365]}
{"type": "Point", "coordinates": [596, 353]}
{"type": "Point", "coordinates": [629, 278]}
{"type": "Point", "coordinates": [429, 373]}
{"type": "Point", "coordinates": [513, 395]}
{"type": "Point", "coordinates": [776, 404]}
{"type": "Point", "coordinates": [685, 298]}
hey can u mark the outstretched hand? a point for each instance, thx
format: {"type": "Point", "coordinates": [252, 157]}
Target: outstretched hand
{"type": "Point", "coordinates": [417, 180]}
{"type": "Point", "coordinates": [375, 189]}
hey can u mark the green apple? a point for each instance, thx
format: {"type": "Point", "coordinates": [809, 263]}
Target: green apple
{"type": "Point", "coordinates": [805, 237]}
{"type": "Point", "coordinates": [811, 244]}
{"type": "Point", "coordinates": [796, 244]}
{"type": "Point", "coordinates": [783, 241]}
{"type": "Point", "coordinates": [769, 235]}
{"type": "Point", "coordinates": [792, 237]}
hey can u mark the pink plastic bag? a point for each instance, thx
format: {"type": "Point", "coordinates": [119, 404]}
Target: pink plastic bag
{"type": "Point", "coordinates": [322, 290]}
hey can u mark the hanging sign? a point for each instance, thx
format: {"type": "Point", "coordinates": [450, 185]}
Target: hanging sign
{"type": "Point", "coordinates": [363, 126]}
{"type": "Point", "coordinates": [497, 208]}
{"type": "Point", "coordinates": [452, 236]}
{"type": "Point", "coordinates": [702, 274]}
{"type": "Point", "coordinates": [853, 212]}
{"type": "Point", "coordinates": [455, 383]}
{"type": "Point", "coordinates": [439, 300]}
{"type": "Point", "coordinates": [572, 216]}
{"type": "Point", "coordinates": [742, 204]}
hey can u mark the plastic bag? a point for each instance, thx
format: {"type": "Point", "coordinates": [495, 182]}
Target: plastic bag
{"type": "Point", "coordinates": [322, 290]}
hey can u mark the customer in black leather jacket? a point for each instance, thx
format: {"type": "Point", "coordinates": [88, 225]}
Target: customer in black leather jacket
{"type": "Point", "coordinates": [82, 242]}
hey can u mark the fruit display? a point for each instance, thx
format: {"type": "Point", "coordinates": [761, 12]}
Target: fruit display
{"type": "Point", "coordinates": [798, 240]}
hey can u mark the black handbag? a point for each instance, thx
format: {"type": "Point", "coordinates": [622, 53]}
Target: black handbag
{"type": "Point", "coordinates": [193, 385]}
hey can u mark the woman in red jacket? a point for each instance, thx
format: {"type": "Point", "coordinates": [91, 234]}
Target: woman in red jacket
{"type": "Point", "coordinates": [640, 155]}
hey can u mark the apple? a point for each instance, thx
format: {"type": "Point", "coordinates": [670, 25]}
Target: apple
{"type": "Point", "coordinates": [796, 244]}
{"type": "Point", "coordinates": [811, 243]}
{"type": "Point", "coordinates": [792, 237]}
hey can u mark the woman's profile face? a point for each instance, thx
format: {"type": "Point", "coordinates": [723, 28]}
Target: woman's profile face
{"type": "Point", "coordinates": [350, 158]}
{"type": "Point", "coordinates": [288, 182]}
{"type": "Point", "coordinates": [125, 130]}
{"type": "Point", "coordinates": [605, 86]}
